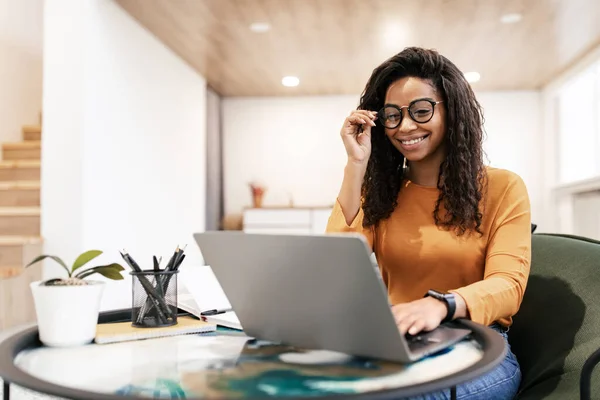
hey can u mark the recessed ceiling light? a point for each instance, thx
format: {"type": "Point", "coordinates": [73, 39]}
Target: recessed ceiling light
{"type": "Point", "coordinates": [472, 77]}
{"type": "Point", "coordinates": [512, 18]}
{"type": "Point", "coordinates": [395, 35]}
{"type": "Point", "coordinates": [260, 27]}
{"type": "Point", "coordinates": [290, 81]}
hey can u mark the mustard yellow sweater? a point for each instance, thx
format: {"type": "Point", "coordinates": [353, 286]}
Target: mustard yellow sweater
{"type": "Point", "coordinates": [490, 272]}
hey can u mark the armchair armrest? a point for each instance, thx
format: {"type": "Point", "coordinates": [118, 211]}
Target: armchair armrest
{"type": "Point", "coordinates": [585, 381]}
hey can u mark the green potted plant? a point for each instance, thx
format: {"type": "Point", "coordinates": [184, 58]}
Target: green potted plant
{"type": "Point", "coordinates": [67, 308]}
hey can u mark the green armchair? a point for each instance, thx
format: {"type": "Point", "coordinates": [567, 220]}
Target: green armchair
{"type": "Point", "coordinates": [557, 328]}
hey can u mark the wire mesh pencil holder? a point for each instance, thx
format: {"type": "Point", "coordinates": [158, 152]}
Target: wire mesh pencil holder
{"type": "Point", "coordinates": [154, 298]}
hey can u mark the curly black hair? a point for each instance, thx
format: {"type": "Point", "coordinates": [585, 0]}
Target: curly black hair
{"type": "Point", "coordinates": [462, 177]}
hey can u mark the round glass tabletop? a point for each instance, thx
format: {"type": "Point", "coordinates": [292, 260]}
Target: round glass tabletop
{"type": "Point", "coordinates": [230, 365]}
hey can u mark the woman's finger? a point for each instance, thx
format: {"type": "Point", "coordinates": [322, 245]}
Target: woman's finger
{"type": "Point", "coordinates": [361, 118]}
{"type": "Point", "coordinates": [370, 114]}
{"type": "Point", "coordinates": [406, 322]}
{"type": "Point", "coordinates": [417, 326]}
{"type": "Point", "coordinates": [399, 317]}
{"type": "Point", "coordinates": [431, 323]}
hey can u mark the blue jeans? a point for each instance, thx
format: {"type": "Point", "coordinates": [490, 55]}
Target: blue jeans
{"type": "Point", "coordinates": [501, 383]}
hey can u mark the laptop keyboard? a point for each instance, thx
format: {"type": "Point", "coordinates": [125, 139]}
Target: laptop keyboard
{"type": "Point", "coordinates": [423, 340]}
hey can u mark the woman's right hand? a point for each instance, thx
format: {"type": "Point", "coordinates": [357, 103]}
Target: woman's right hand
{"type": "Point", "coordinates": [357, 141]}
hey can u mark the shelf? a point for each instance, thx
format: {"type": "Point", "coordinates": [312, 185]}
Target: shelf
{"type": "Point", "coordinates": [582, 186]}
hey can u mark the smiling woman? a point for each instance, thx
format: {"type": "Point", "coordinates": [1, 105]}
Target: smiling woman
{"type": "Point", "coordinates": [451, 236]}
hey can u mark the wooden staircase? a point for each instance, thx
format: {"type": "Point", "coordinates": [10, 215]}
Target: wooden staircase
{"type": "Point", "coordinates": [20, 239]}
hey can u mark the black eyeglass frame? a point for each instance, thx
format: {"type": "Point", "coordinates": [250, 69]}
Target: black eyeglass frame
{"type": "Point", "coordinates": [433, 104]}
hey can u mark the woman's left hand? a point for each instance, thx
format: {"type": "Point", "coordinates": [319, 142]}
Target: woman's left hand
{"type": "Point", "coordinates": [423, 314]}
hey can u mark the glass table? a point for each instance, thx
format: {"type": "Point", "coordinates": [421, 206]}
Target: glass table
{"type": "Point", "coordinates": [228, 364]}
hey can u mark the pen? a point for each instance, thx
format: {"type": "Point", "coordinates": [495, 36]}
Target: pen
{"type": "Point", "coordinates": [215, 312]}
{"type": "Point", "coordinates": [158, 277]}
{"type": "Point", "coordinates": [179, 261]}
{"type": "Point", "coordinates": [169, 266]}
{"type": "Point", "coordinates": [131, 262]}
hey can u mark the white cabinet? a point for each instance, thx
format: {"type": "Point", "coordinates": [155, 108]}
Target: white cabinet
{"type": "Point", "coordinates": [586, 214]}
{"type": "Point", "coordinates": [320, 216]}
{"type": "Point", "coordinates": [286, 221]}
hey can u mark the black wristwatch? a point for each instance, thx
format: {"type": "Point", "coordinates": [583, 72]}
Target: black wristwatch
{"type": "Point", "coordinates": [448, 298]}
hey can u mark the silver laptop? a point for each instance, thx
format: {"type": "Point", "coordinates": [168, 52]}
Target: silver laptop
{"type": "Point", "coordinates": [315, 292]}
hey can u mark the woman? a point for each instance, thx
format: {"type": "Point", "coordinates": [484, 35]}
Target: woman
{"type": "Point", "coordinates": [435, 216]}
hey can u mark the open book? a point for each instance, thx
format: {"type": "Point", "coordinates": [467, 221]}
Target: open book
{"type": "Point", "coordinates": [198, 291]}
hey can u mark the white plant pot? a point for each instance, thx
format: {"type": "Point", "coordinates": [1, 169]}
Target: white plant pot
{"type": "Point", "coordinates": [67, 315]}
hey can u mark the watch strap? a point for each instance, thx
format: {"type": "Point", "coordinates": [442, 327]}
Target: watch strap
{"type": "Point", "coordinates": [449, 299]}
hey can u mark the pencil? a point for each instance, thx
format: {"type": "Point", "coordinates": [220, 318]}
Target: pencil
{"type": "Point", "coordinates": [172, 260]}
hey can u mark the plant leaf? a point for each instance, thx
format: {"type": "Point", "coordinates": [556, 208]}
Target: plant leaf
{"type": "Point", "coordinates": [84, 258]}
{"type": "Point", "coordinates": [111, 271]}
{"type": "Point", "coordinates": [55, 258]}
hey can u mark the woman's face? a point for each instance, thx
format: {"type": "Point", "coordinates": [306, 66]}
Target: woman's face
{"type": "Point", "coordinates": [417, 141]}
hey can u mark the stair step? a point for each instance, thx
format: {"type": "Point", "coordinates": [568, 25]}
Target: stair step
{"type": "Point", "coordinates": [18, 240]}
{"type": "Point", "coordinates": [32, 132]}
{"type": "Point", "coordinates": [20, 185]}
{"type": "Point", "coordinates": [16, 250]}
{"type": "Point", "coordinates": [20, 221]}
{"type": "Point", "coordinates": [20, 164]}
{"type": "Point", "coordinates": [16, 302]}
{"type": "Point", "coordinates": [28, 150]}
{"type": "Point", "coordinates": [19, 212]}
{"type": "Point", "coordinates": [20, 170]}
{"type": "Point", "coordinates": [19, 193]}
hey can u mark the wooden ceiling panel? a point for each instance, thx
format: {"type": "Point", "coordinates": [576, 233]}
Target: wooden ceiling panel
{"type": "Point", "coordinates": [333, 45]}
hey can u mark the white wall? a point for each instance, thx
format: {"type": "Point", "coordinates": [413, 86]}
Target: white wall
{"type": "Point", "coordinates": [559, 197]}
{"type": "Point", "coordinates": [20, 66]}
{"type": "Point", "coordinates": [124, 141]}
{"type": "Point", "coordinates": [62, 140]}
{"type": "Point", "coordinates": [513, 125]}
{"type": "Point", "coordinates": [293, 145]}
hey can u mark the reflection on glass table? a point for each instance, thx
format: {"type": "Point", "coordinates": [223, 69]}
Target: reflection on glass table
{"type": "Point", "coordinates": [229, 364]}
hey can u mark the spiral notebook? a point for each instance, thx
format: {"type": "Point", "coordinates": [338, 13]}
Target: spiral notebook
{"type": "Point", "coordinates": [124, 331]}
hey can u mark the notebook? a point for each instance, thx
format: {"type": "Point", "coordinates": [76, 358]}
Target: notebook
{"type": "Point", "coordinates": [199, 290]}
{"type": "Point", "coordinates": [123, 331]}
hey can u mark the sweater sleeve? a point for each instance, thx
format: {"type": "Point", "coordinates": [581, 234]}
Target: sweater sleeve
{"type": "Point", "coordinates": [337, 223]}
{"type": "Point", "coordinates": [508, 258]}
